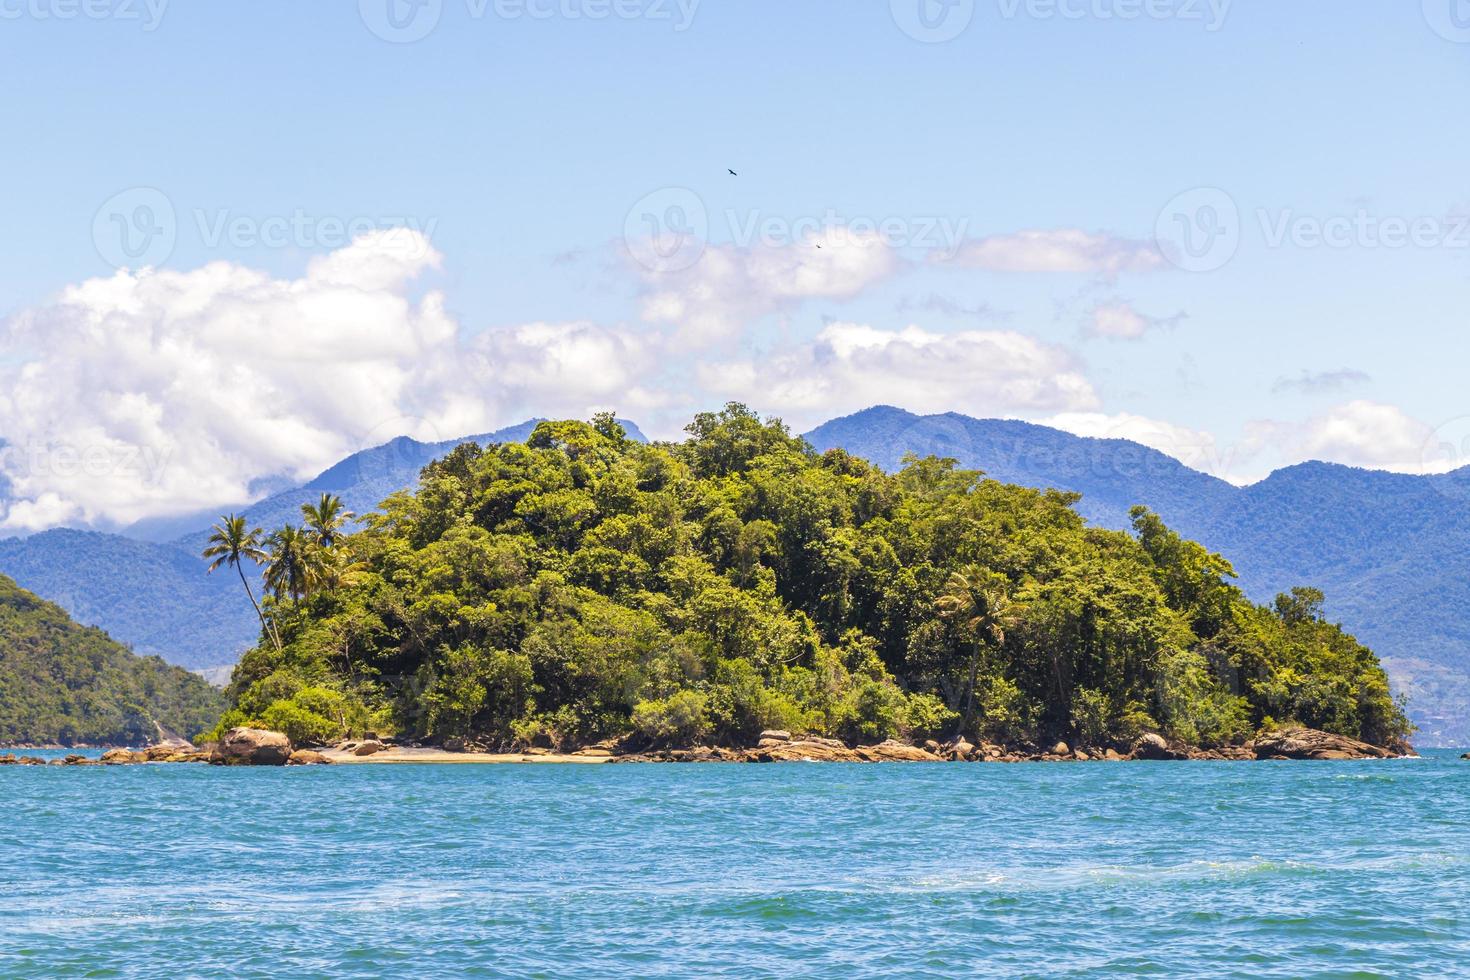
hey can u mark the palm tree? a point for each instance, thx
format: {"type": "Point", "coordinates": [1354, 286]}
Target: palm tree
{"type": "Point", "coordinates": [332, 568]}
{"type": "Point", "coordinates": [978, 602]}
{"type": "Point", "coordinates": [230, 544]}
{"type": "Point", "coordinates": [325, 519]}
{"type": "Point", "coordinates": [287, 563]}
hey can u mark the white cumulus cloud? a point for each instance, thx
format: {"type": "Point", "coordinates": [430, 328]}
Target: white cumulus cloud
{"type": "Point", "coordinates": [1194, 448]}
{"type": "Point", "coordinates": [1119, 320]}
{"type": "Point", "coordinates": [1060, 250]}
{"type": "Point", "coordinates": [850, 366]}
{"type": "Point", "coordinates": [155, 391]}
{"type": "Point", "coordinates": [730, 286]}
{"type": "Point", "coordinates": [1358, 433]}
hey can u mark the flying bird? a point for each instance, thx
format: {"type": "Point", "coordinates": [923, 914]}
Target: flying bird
{"type": "Point", "coordinates": [732, 173]}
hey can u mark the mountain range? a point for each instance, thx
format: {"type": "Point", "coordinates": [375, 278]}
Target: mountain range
{"type": "Point", "coordinates": [1391, 551]}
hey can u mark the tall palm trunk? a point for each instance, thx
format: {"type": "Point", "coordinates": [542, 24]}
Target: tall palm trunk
{"type": "Point", "coordinates": [269, 629]}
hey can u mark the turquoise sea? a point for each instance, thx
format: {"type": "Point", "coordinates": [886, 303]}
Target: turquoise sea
{"type": "Point", "coordinates": [821, 870]}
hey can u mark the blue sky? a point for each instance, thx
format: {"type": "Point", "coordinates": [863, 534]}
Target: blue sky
{"type": "Point", "coordinates": [1023, 169]}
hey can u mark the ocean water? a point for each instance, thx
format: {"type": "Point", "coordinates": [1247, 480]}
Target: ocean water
{"type": "Point", "coordinates": [821, 870]}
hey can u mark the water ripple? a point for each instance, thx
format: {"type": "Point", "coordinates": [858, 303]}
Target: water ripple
{"type": "Point", "coordinates": [1215, 870]}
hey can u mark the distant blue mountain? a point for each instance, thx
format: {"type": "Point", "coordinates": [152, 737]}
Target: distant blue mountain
{"type": "Point", "coordinates": [154, 598]}
{"type": "Point", "coordinates": [1111, 474]}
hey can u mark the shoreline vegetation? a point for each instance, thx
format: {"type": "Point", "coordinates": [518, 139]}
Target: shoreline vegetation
{"type": "Point", "coordinates": [583, 590]}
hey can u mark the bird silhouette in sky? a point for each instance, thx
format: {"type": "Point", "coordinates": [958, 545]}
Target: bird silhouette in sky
{"type": "Point", "coordinates": [732, 173]}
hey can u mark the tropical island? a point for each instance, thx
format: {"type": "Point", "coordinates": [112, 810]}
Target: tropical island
{"type": "Point", "coordinates": [585, 590]}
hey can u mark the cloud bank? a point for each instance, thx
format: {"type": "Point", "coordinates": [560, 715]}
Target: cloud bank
{"type": "Point", "coordinates": [158, 392]}
{"type": "Point", "coordinates": [155, 392]}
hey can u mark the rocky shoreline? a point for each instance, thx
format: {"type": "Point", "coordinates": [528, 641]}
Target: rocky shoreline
{"type": "Point", "coordinates": [254, 747]}
{"type": "Point", "coordinates": [776, 746]}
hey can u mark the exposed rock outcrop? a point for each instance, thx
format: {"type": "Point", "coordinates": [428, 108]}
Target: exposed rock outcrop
{"type": "Point", "coordinates": [1308, 743]}
{"type": "Point", "coordinates": [802, 750]}
{"type": "Point", "coordinates": [1152, 746]}
{"type": "Point", "coordinates": [253, 747]}
{"type": "Point", "coordinates": [306, 757]}
{"type": "Point", "coordinates": [894, 751]}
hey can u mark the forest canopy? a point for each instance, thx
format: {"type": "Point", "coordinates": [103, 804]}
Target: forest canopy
{"type": "Point", "coordinates": [583, 586]}
{"type": "Point", "coordinates": [72, 685]}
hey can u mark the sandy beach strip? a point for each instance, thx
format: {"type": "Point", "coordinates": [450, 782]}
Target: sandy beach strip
{"type": "Point", "coordinates": [441, 757]}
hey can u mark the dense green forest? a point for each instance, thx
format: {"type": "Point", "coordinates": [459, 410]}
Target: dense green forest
{"type": "Point", "coordinates": [584, 586]}
{"type": "Point", "coordinates": [65, 683]}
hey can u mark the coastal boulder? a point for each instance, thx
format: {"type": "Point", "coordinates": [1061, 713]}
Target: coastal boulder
{"type": "Point", "coordinates": [894, 751]}
{"type": "Point", "coordinates": [163, 753]}
{"type": "Point", "coordinates": [253, 747]}
{"type": "Point", "coordinates": [775, 735]}
{"type": "Point", "coordinates": [1308, 743]}
{"type": "Point", "coordinates": [306, 757]}
{"type": "Point", "coordinates": [118, 757]}
{"type": "Point", "coordinates": [1061, 748]}
{"type": "Point", "coordinates": [1152, 746]}
{"type": "Point", "coordinates": [803, 750]}
{"type": "Point", "coordinates": [369, 747]}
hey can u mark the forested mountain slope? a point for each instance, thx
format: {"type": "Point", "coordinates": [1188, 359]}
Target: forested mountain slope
{"type": "Point", "coordinates": [69, 684]}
